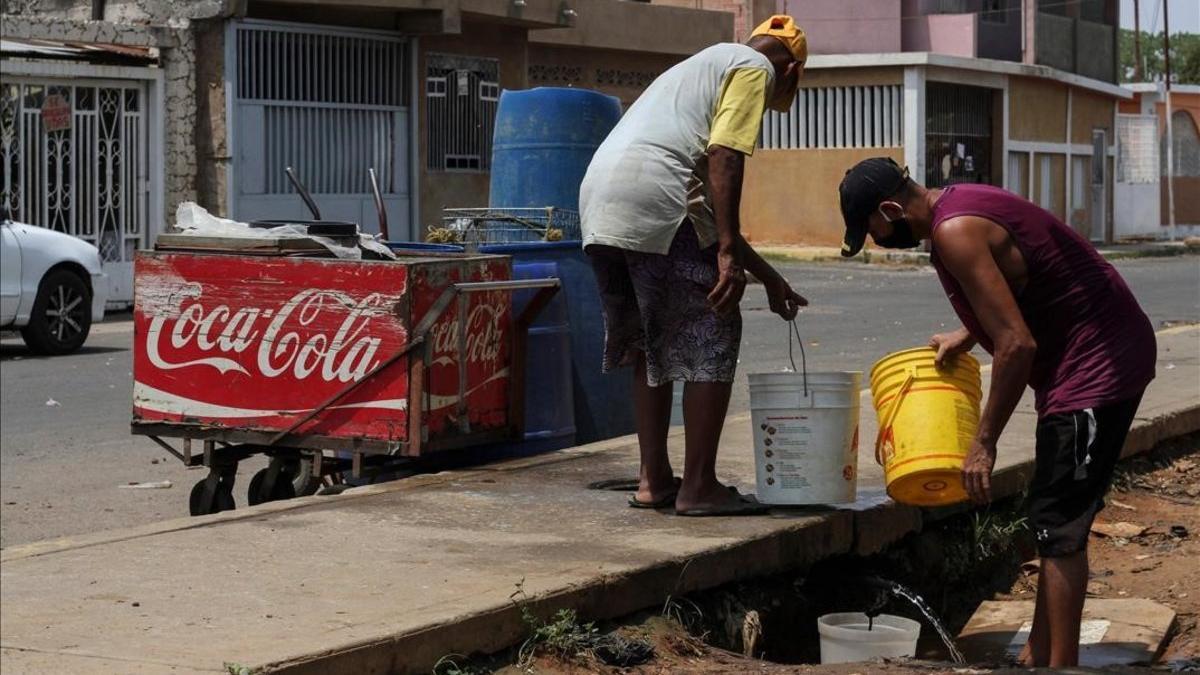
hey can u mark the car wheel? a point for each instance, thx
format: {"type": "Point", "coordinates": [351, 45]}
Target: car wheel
{"type": "Point", "coordinates": [62, 314]}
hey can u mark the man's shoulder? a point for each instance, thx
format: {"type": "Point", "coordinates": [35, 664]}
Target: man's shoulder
{"type": "Point", "coordinates": [732, 55]}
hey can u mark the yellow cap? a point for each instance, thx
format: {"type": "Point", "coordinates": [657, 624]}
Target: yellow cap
{"type": "Point", "coordinates": [784, 28]}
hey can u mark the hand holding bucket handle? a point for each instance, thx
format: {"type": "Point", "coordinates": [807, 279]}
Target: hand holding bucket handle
{"type": "Point", "coordinates": [803, 359]}
{"type": "Point", "coordinates": [885, 421]}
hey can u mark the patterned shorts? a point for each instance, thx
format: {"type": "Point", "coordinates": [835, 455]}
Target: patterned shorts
{"type": "Point", "coordinates": [658, 304]}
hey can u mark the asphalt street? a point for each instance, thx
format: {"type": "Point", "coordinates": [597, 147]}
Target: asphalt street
{"type": "Point", "coordinates": [65, 447]}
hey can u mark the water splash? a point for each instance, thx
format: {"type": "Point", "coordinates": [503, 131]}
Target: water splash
{"type": "Point", "coordinates": [917, 601]}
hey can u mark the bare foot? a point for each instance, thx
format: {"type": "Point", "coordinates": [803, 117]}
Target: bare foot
{"type": "Point", "coordinates": [660, 488]}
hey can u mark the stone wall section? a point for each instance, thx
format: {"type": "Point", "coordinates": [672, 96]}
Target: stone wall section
{"type": "Point", "coordinates": [172, 27]}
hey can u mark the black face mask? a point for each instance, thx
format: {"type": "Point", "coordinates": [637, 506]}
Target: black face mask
{"type": "Point", "coordinates": [901, 236]}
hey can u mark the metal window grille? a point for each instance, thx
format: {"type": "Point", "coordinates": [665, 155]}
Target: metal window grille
{"type": "Point", "coordinates": [838, 117]}
{"type": "Point", "coordinates": [328, 103]}
{"type": "Point", "coordinates": [88, 179]}
{"type": "Point", "coordinates": [958, 134]}
{"type": "Point", "coordinates": [281, 63]}
{"type": "Point", "coordinates": [1137, 149]}
{"type": "Point", "coordinates": [462, 113]}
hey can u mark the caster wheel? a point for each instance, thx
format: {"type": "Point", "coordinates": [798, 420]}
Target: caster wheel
{"type": "Point", "coordinates": [223, 500]}
{"type": "Point", "coordinates": [284, 488]}
{"type": "Point", "coordinates": [305, 483]}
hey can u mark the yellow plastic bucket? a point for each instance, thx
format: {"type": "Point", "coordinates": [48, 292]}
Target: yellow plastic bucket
{"type": "Point", "coordinates": [927, 420]}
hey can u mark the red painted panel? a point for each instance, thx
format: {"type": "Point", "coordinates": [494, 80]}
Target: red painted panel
{"type": "Point", "coordinates": [258, 342]}
{"type": "Point", "coordinates": [486, 347]}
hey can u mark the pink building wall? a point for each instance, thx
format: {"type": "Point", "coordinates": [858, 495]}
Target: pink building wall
{"type": "Point", "coordinates": [953, 34]}
{"type": "Point", "coordinates": [847, 26]}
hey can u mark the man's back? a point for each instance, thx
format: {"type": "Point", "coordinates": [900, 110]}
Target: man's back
{"type": "Point", "coordinates": [1095, 345]}
{"type": "Point", "coordinates": [635, 193]}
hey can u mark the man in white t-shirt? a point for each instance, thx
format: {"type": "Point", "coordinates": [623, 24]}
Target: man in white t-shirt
{"type": "Point", "coordinates": [659, 208]}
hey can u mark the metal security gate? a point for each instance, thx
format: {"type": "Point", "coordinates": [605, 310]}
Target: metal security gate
{"type": "Point", "coordinates": [74, 159]}
{"type": "Point", "coordinates": [330, 103]}
{"type": "Point", "coordinates": [1136, 204]}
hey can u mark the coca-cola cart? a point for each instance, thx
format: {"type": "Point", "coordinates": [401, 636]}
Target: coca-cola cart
{"type": "Point", "coordinates": [239, 353]}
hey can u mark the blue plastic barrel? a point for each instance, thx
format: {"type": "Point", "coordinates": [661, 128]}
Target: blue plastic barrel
{"type": "Point", "coordinates": [549, 399]}
{"type": "Point", "coordinates": [543, 142]}
{"type": "Point", "coordinates": [603, 403]}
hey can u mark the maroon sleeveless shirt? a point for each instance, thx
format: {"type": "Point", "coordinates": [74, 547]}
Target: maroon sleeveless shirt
{"type": "Point", "coordinates": [1095, 345]}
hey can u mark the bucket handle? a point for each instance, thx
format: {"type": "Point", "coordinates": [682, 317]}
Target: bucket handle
{"type": "Point", "coordinates": [803, 359]}
{"type": "Point", "coordinates": [885, 421]}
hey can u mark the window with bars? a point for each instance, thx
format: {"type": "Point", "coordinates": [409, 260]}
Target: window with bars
{"type": "Point", "coordinates": [461, 96]}
{"type": "Point", "coordinates": [327, 102]}
{"type": "Point", "coordinates": [958, 134]}
{"type": "Point", "coordinates": [838, 117]}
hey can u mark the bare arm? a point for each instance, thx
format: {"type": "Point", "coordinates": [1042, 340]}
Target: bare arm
{"type": "Point", "coordinates": [726, 169]}
{"type": "Point", "coordinates": [962, 244]}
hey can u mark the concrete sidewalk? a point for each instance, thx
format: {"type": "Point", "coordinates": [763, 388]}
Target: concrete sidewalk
{"type": "Point", "coordinates": [876, 255]}
{"type": "Point", "coordinates": [389, 578]}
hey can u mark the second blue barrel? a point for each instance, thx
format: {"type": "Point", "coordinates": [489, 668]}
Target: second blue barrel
{"type": "Point", "coordinates": [544, 140]}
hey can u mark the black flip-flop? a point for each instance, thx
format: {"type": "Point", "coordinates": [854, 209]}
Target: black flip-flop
{"type": "Point", "coordinates": [742, 505]}
{"type": "Point", "coordinates": [665, 502]}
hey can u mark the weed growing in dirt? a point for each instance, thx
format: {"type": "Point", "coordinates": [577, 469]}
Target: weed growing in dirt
{"type": "Point", "coordinates": [994, 533]}
{"type": "Point", "coordinates": [687, 614]}
{"type": "Point", "coordinates": [985, 537]}
{"type": "Point", "coordinates": [457, 664]}
{"type": "Point", "coordinates": [562, 636]}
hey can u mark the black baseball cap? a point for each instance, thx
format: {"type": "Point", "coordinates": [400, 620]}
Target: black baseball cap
{"type": "Point", "coordinates": [864, 188]}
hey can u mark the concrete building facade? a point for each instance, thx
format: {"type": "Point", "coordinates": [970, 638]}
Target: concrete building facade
{"type": "Point", "coordinates": [246, 88]}
{"type": "Point", "coordinates": [1015, 93]}
{"type": "Point", "coordinates": [1149, 105]}
{"type": "Point", "coordinates": [1043, 134]}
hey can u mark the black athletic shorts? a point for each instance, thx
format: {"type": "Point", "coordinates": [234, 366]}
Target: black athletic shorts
{"type": "Point", "coordinates": [1077, 453]}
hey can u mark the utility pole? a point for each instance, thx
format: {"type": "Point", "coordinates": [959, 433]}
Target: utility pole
{"type": "Point", "coordinates": [1137, 42]}
{"type": "Point", "coordinates": [1170, 127]}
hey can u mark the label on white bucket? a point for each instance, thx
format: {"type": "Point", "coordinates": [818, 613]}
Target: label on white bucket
{"type": "Point", "coordinates": [806, 452]}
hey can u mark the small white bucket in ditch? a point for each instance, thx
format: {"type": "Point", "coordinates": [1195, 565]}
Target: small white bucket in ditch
{"type": "Point", "coordinates": [805, 435]}
{"type": "Point", "coordinates": [851, 637]}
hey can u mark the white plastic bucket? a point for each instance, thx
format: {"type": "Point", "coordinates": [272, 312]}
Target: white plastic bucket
{"type": "Point", "coordinates": [845, 637]}
{"type": "Point", "coordinates": [805, 444]}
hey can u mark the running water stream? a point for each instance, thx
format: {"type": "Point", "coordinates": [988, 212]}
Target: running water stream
{"type": "Point", "coordinates": [917, 601]}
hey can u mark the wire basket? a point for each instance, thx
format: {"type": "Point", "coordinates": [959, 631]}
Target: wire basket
{"type": "Point", "coordinates": [507, 225]}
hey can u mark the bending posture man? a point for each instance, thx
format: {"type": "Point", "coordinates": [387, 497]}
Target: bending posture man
{"type": "Point", "coordinates": [659, 208]}
{"type": "Point", "coordinates": [1054, 315]}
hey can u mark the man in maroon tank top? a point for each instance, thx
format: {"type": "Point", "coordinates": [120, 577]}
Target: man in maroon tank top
{"type": "Point", "coordinates": [1055, 316]}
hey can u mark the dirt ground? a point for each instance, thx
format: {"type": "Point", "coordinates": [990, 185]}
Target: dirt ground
{"type": "Point", "coordinates": [1145, 545]}
{"type": "Point", "coordinates": [1133, 551]}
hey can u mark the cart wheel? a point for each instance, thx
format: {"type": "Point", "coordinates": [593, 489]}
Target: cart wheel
{"type": "Point", "coordinates": [305, 483]}
{"type": "Point", "coordinates": [223, 500]}
{"type": "Point", "coordinates": [283, 488]}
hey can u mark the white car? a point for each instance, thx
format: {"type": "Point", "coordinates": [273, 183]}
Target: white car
{"type": "Point", "coordinates": [52, 286]}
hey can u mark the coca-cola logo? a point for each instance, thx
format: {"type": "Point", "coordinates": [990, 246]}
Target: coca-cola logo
{"type": "Point", "coordinates": [484, 334]}
{"type": "Point", "coordinates": [285, 339]}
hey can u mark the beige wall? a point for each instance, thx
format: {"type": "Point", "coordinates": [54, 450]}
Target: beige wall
{"type": "Point", "coordinates": [616, 73]}
{"type": "Point", "coordinates": [1090, 111]}
{"type": "Point", "coordinates": [439, 189]}
{"type": "Point", "coordinates": [1037, 110]}
{"type": "Point", "coordinates": [790, 196]}
{"type": "Point", "coordinates": [846, 77]}
{"type": "Point", "coordinates": [641, 27]}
